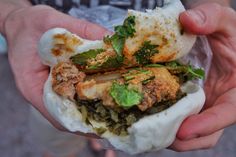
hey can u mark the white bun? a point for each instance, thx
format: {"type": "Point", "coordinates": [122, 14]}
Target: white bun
{"type": "Point", "coordinates": [160, 26]}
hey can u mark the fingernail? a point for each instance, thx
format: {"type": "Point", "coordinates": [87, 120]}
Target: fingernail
{"type": "Point", "coordinates": [197, 16]}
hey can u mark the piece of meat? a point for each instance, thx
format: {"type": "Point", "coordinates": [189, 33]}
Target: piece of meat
{"type": "Point", "coordinates": [91, 90]}
{"type": "Point", "coordinates": [64, 78]}
{"type": "Point", "coordinates": [163, 88]}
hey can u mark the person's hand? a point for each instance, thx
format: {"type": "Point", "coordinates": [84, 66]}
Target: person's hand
{"type": "Point", "coordinates": [23, 29]}
{"type": "Point", "coordinates": [204, 130]}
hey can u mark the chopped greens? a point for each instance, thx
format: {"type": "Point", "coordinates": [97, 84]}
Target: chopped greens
{"type": "Point", "coordinates": [148, 80]}
{"type": "Point", "coordinates": [138, 75]}
{"type": "Point", "coordinates": [119, 120]}
{"type": "Point", "coordinates": [195, 73]}
{"type": "Point", "coordinates": [127, 29]}
{"type": "Point", "coordinates": [118, 45]}
{"type": "Point", "coordinates": [134, 73]}
{"type": "Point", "coordinates": [100, 130]}
{"type": "Point", "coordinates": [144, 54]}
{"type": "Point", "coordinates": [112, 62]}
{"type": "Point", "coordinates": [187, 70]}
{"type": "Point", "coordinates": [125, 97]}
{"type": "Point", "coordinates": [82, 58]}
{"type": "Point", "coordinates": [122, 32]}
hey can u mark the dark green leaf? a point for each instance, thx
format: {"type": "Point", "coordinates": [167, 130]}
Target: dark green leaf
{"type": "Point", "coordinates": [127, 29]}
{"type": "Point", "coordinates": [148, 80]}
{"type": "Point", "coordinates": [196, 73]}
{"type": "Point", "coordinates": [112, 62]}
{"type": "Point", "coordinates": [154, 66]}
{"type": "Point", "coordinates": [122, 32]}
{"type": "Point", "coordinates": [82, 58]}
{"type": "Point", "coordinates": [134, 73]}
{"type": "Point", "coordinates": [118, 45]}
{"type": "Point", "coordinates": [185, 70]}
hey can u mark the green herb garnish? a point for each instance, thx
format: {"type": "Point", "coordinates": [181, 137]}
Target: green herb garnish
{"type": "Point", "coordinates": [111, 62]}
{"type": "Point", "coordinates": [190, 71]}
{"type": "Point", "coordinates": [144, 54]}
{"type": "Point", "coordinates": [125, 97]}
{"type": "Point", "coordinates": [136, 73]}
{"type": "Point", "coordinates": [195, 73]}
{"type": "Point", "coordinates": [187, 70]}
{"type": "Point", "coordinates": [121, 34]}
{"type": "Point", "coordinates": [148, 80]}
{"type": "Point", "coordinates": [155, 66]}
{"type": "Point", "coordinates": [82, 58]}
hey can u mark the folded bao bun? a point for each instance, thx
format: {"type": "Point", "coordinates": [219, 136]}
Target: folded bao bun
{"type": "Point", "coordinates": [154, 132]}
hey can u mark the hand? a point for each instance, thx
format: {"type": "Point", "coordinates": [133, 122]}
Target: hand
{"type": "Point", "coordinates": [204, 130]}
{"type": "Point", "coordinates": [23, 29]}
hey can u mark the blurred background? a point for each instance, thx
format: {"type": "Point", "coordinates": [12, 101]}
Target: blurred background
{"type": "Point", "coordinates": [16, 139]}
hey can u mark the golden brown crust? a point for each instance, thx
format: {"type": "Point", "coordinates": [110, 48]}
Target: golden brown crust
{"type": "Point", "coordinates": [163, 87]}
{"type": "Point", "coordinates": [65, 76]}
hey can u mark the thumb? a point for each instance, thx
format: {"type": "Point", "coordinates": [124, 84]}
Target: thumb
{"type": "Point", "coordinates": [86, 29]}
{"type": "Point", "coordinates": [209, 18]}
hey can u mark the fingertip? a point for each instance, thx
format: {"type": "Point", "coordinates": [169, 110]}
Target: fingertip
{"type": "Point", "coordinates": [192, 21]}
{"type": "Point", "coordinates": [203, 20]}
{"type": "Point", "coordinates": [187, 130]}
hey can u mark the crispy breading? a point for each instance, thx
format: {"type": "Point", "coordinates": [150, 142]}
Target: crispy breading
{"type": "Point", "coordinates": [164, 87]}
{"type": "Point", "coordinates": [90, 90]}
{"type": "Point", "coordinates": [64, 78]}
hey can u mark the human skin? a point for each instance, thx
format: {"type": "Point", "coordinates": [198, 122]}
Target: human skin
{"type": "Point", "coordinates": [204, 130]}
{"type": "Point", "coordinates": [23, 26]}
{"type": "Point", "coordinates": [194, 3]}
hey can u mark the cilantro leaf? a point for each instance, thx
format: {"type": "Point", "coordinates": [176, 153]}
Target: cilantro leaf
{"type": "Point", "coordinates": [118, 45]}
{"type": "Point", "coordinates": [144, 54]}
{"type": "Point", "coordinates": [191, 72]}
{"type": "Point", "coordinates": [127, 29]}
{"type": "Point", "coordinates": [125, 97]}
{"type": "Point", "coordinates": [138, 75]}
{"type": "Point", "coordinates": [122, 32]}
{"type": "Point", "coordinates": [186, 70]}
{"type": "Point", "coordinates": [195, 73]}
